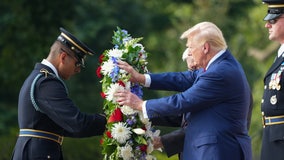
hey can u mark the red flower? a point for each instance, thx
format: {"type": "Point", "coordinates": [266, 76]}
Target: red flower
{"type": "Point", "coordinates": [101, 58]}
{"type": "Point", "coordinates": [103, 95]}
{"type": "Point", "coordinates": [99, 72]}
{"type": "Point", "coordinates": [108, 133]}
{"type": "Point", "coordinates": [143, 148]}
{"type": "Point", "coordinates": [116, 116]}
{"type": "Point", "coordinates": [101, 141]}
{"type": "Point", "coordinates": [121, 83]}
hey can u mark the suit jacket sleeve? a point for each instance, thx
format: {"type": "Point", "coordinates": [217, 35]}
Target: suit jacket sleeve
{"type": "Point", "coordinates": [173, 81]}
{"type": "Point", "coordinates": [206, 91]}
{"type": "Point", "coordinates": [210, 88]}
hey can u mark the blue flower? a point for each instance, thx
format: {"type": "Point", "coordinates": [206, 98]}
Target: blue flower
{"type": "Point", "coordinates": [115, 72]}
{"type": "Point", "coordinates": [137, 90]}
{"type": "Point", "coordinates": [133, 53]}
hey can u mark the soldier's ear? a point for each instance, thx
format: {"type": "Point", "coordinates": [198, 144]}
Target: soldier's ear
{"type": "Point", "coordinates": [62, 57]}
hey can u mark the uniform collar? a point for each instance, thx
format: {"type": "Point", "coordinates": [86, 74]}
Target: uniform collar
{"type": "Point", "coordinates": [50, 65]}
{"type": "Point", "coordinates": [281, 50]}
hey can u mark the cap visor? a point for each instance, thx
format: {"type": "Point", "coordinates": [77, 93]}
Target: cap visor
{"type": "Point", "coordinates": [271, 16]}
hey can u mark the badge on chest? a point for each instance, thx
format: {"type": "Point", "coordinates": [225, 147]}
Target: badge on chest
{"type": "Point", "coordinates": [273, 100]}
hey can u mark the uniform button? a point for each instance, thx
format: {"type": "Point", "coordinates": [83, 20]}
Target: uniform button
{"type": "Point", "coordinates": [265, 86]}
{"type": "Point", "coordinates": [48, 157]}
{"type": "Point", "coordinates": [262, 100]}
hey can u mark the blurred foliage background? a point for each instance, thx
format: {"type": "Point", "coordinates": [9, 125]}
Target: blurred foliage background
{"type": "Point", "coordinates": [29, 27]}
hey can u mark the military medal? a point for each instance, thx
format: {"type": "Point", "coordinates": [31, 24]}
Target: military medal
{"type": "Point", "coordinates": [274, 83]}
{"type": "Point", "coordinates": [278, 87]}
{"type": "Point", "coordinates": [273, 100]}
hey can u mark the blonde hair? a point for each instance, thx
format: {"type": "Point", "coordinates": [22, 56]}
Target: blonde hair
{"type": "Point", "coordinates": [206, 32]}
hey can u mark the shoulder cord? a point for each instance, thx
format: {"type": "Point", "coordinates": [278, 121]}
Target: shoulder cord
{"type": "Point", "coordinates": [45, 73]}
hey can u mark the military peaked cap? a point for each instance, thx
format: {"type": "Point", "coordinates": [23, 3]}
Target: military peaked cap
{"type": "Point", "coordinates": [275, 9]}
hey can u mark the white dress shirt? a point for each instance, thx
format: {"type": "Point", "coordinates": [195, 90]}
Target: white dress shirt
{"type": "Point", "coordinates": [281, 50]}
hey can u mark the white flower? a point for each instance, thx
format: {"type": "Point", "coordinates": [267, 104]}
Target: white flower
{"type": "Point", "coordinates": [126, 152]}
{"type": "Point", "coordinates": [151, 134]}
{"type": "Point", "coordinates": [139, 45]}
{"type": "Point", "coordinates": [149, 131]}
{"type": "Point", "coordinates": [150, 157]}
{"type": "Point", "coordinates": [120, 132]}
{"type": "Point", "coordinates": [150, 147]}
{"type": "Point", "coordinates": [122, 71]}
{"type": "Point", "coordinates": [117, 53]}
{"type": "Point", "coordinates": [126, 110]}
{"type": "Point", "coordinates": [111, 90]}
{"type": "Point", "coordinates": [107, 67]}
{"type": "Point", "coordinates": [148, 125]}
{"type": "Point", "coordinates": [138, 131]}
{"type": "Point", "coordinates": [156, 133]}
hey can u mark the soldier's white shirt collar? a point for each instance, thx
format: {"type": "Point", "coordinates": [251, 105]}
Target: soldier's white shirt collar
{"type": "Point", "coordinates": [47, 63]}
{"type": "Point", "coordinates": [281, 50]}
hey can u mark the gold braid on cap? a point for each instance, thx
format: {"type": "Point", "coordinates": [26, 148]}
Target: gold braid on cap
{"type": "Point", "coordinates": [275, 5]}
{"type": "Point", "coordinates": [69, 39]}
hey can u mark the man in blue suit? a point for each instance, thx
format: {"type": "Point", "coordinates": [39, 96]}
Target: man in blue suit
{"type": "Point", "coordinates": [46, 113]}
{"type": "Point", "coordinates": [172, 143]}
{"type": "Point", "coordinates": [217, 97]}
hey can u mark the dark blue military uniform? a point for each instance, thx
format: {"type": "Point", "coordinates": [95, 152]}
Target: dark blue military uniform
{"type": "Point", "coordinates": [46, 114]}
{"type": "Point", "coordinates": [273, 112]}
{"type": "Point", "coordinates": [272, 105]}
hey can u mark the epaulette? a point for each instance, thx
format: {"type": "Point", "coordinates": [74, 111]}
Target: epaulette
{"type": "Point", "coordinates": [43, 72]}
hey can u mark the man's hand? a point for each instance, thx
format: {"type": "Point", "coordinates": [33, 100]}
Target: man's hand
{"type": "Point", "coordinates": [129, 99]}
{"type": "Point", "coordinates": [157, 143]}
{"type": "Point", "coordinates": [135, 76]}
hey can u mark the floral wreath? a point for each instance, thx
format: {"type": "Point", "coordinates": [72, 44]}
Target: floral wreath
{"type": "Point", "coordinates": [128, 135]}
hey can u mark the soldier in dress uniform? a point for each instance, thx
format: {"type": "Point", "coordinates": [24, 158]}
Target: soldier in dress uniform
{"type": "Point", "coordinates": [272, 105]}
{"type": "Point", "coordinates": [46, 114]}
